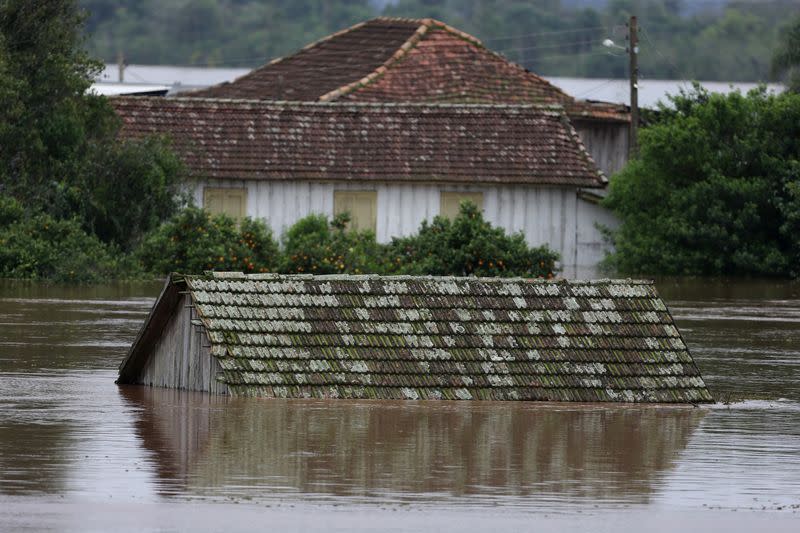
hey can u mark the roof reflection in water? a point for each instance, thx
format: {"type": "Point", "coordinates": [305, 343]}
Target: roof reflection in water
{"type": "Point", "coordinates": [514, 453]}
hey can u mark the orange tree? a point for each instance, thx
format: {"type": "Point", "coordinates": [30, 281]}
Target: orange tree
{"type": "Point", "coordinates": [194, 241]}
{"type": "Point", "coordinates": [468, 245]}
{"type": "Point", "coordinates": [315, 245]}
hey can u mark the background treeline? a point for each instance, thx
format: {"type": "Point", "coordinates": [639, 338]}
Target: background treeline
{"type": "Point", "coordinates": [731, 41]}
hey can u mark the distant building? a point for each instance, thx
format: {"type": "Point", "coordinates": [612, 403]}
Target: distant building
{"type": "Point", "coordinates": [414, 338]}
{"type": "Point", "coordinates": [177, 78]}
{"type": "Point", "coordinates": [128, 89]}
{"type": "Point", "coordinates": [651, 92]}
{"type": "Point", "coordinates": [390, 165]}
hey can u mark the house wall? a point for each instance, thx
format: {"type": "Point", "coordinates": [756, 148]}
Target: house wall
{"type": "Point", "coordinates": [181, 358]}
{"type": "Point", "coordinates": [546, 215]}
{"type": "Point", "coordinates": [606, 141]}
{"type": "Point", "coordinates": [592, 246]}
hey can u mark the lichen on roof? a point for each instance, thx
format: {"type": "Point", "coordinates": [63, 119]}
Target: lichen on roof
{"type": "Point", "coordinates": [369, 142]}
{"type": "Point", "coordinates": [423, 338]}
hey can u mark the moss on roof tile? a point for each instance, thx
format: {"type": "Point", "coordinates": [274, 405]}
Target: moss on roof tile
{"type": "Point", "coordinates": [444, 338]}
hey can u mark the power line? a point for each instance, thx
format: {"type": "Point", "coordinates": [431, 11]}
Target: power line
{"type": "Point", "coordinates": [552, 45]}
{"type": "Point", "coordinates": [600, 86]}
{"type": "Point", "coordinates": [675, 68]}
{"type": "Point", "coordinates": [299, 58]}
{"type": "Point", "coordinates": [439, 47]}
{"type": "Point", "coordinates": [354, 75]}
{"type": "Point", "coordinates": [537, 34]}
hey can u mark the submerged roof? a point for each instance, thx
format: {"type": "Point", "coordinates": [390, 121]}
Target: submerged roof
{"type": "Point", "coordinates": [403, 60]}
{"type": "Point", "coordinates": [366, 142]}
{"type": "Point", "coordinates": [439, 338]}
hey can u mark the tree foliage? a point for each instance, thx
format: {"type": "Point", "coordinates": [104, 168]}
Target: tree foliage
{"type": "Point", "coordinates": [58, 143]}
{"type": "Point", "coordinates": [39, 246]}
{"type": "Point", "coordinates": [47, 119]}
{"type": "Point", "coordinates": [317, 245]}
{"type": "Point", "coordinates": [468, 245]}
{"type": "Point", "coordinates": [194, 241]}
{"type": "Point", "coordinates": [715, 190]}
{"type": "Point", "coordinates": [127, 188]}
{"type": "Point", "coordinates": [680, 39]}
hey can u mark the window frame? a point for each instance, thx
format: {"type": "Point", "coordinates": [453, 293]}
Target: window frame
{"type": "Point", "coordinates": [445, 197]}
{"type": "Point", "coordinates": [242, 191]}
{"type": "Point", "coordinates": [372, 195]}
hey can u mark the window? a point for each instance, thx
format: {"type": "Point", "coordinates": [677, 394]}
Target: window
{"type": "Point", "coordinates": [450, 202]}
{"type": "Point", "coordinates": [362, 206]}
{"type": "Point", "coordinates": [231, 202]}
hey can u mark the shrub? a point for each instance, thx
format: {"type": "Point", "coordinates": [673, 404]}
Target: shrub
{"type": "Point", "coordinates": [315, 245]}
{"type": "Point", "coordinates": [467, 245]}
{"type": "Point", "coordinates": [194, 241]}
{"type": "Point", "coordinates": [41, 247]}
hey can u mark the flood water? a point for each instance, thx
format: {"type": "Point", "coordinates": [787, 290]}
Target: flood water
{"type": "Point", "coordinates": [79, 453]}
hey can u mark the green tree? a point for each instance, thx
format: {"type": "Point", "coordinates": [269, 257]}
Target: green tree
{"type": "Point", "coordinates": [468, 245]}
{"type": "Point", "coordinates": [58, 142]}
{"type": "Point", "coordinates": [317, 245]}
{"type": "Point", "coordinates": [715, 190]}
{"type": "Point", "coordinates": [47, 120]}
{"type": "Point", "coordinates": [38, 246]}
{"type": "Point", "coordinates": [194, 241]}
{"type": "Point", "coordinates": [126, 189]}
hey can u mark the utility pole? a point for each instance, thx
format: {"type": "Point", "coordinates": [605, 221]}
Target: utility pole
{"type": "Point", "coordinates": [121, 66]}
{"type": "Point", "coordinates": [633, 51]}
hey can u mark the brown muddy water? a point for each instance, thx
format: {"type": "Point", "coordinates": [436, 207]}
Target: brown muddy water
{"type": "Point", "coordinates": [78, 453]}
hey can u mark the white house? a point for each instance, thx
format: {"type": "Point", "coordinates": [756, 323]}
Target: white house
{"type": "Point", "coordinates": [390, 165]}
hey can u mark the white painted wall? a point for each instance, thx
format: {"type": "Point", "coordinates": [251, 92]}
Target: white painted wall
{"type": "Point", "coordinates": [591, 245]}
{"type": "Point", "coordinates": [546, 215]}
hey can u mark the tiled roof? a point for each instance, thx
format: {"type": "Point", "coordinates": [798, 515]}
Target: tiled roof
{"type": "Point", "coordinates": [322, 66]}
{"type": "Point", "coordinates": [444, 338]}
{"type": "Point", "coordinates": [366, 142]}
{"type": "Point", "coordinates": [404, 60]}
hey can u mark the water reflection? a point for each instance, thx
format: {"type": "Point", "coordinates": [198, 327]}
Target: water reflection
{"type": "Point", "coordinates": [214, 446]}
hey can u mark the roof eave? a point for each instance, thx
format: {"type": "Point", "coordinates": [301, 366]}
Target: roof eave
{"type": "Point", "coordinates": [145, 340]}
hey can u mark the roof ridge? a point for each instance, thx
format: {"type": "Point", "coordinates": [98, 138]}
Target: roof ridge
{"type": "Point", "coordinates": [312, 44]}
{"type": "Point", "coordinates": [426, 25]}
{"type": "Point", "coordinates": [234, 275]}
{"type": "Point", "coordinates": [409, 44]}
{"type": "Point", "coordinates": [557, 109]}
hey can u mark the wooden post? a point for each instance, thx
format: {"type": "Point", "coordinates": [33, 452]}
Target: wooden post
{"type": "Point", "coordinates": [121, 67]}
{"type": "Point", "coordinates": [633, 51]}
